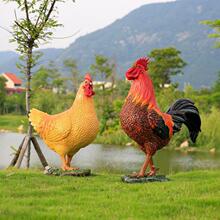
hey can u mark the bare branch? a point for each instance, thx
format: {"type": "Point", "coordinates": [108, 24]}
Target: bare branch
{"type": "Point", "coordinates": [67, 36]}
{"type": "Point", "coordinates": [16, 18]}
{"type": "Point", "coordinates": [5, 29]}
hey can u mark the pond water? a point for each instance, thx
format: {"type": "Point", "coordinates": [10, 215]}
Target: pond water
{"type": "Point", "coordinates": [117, 159]}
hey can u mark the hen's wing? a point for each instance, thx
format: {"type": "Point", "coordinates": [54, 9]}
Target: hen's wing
{"type": "Point", "coordinates": [158, 125]}
{"type": "Point", "coordinates": [53, 128]}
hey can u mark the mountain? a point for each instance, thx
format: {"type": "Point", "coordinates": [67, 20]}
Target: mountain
{"type": "Point", "coordinates": [152, 26]}
{"type": "Point", "coordinates": [157, 26]}
{"type": "Point", "coordinates": [9, 59]}
{"type": "Point", "coordinates": [6, 56]}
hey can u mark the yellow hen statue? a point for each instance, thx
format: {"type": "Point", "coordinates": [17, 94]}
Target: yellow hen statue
{"type": "Point", "coordinates": [67, 132]}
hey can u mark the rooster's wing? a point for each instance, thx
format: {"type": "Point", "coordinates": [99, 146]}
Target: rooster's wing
{"type": "Point", "coordinates": [157, 124]}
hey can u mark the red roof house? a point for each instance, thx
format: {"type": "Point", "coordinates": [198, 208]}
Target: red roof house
{"type": "Point", "coordinates": [13, 83]}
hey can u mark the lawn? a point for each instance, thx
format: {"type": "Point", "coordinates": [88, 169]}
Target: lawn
{"type": "Point", "coordinates": [32, 195]}
{"type": "Point", "coordinates": [12, 122]}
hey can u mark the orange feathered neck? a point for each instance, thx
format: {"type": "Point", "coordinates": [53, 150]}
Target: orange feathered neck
{"type": "Point", "coordinates": [142, 91]}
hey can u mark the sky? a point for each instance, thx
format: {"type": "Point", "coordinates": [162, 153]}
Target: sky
{"type": "Point", "coordinates": [78, 19]}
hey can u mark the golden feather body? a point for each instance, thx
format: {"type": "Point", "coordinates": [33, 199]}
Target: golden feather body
{"type": "Point", "coordinates": [69, 131]}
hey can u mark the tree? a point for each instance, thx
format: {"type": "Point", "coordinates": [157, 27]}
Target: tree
{"type": "Point", "coordinates": [2, 93]}
{"type": "Point", "coordinates": [33, 28]}
{"type": "Point", "coordinates": [215, 24]}
{"type": "Point", "coordinates": [216, 86]}
{"type": "Point", "coordinates": [56, 81]}
{"type": "Point", "coordinates": [75, 77]}
{"type": "Point", "coordinates": [40, 79]}
{"type": "Point", "coordinates": [165, 62]}
{"type": "Point", "coordinates": [103, 69]}
{"type": "Point", "coordinates": [15, 103]}
{"type": "Point", "coordinates": [49, 78]}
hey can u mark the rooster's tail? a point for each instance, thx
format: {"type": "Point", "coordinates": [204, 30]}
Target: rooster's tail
{"type": "Point", "coordinates": [184, 111]}
{"type": "Point", "coordinates": [35, 117]}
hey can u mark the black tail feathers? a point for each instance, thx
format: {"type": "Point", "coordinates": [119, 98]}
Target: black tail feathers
{"type": "Point", "coordinates": [184, 111]}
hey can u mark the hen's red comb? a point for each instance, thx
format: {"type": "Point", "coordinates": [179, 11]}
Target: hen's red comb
{"type": "Point", "coordinates": [88, 77]}
{"type": "Point", "coordinates": [143, 62]}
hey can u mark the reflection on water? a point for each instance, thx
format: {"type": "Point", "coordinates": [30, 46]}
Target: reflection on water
{"type": "Point", "coordinates": [113, 158]}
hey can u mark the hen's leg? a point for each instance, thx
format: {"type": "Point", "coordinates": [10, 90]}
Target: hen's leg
{"type": "Point", "coordinates": [68, 161]}
{"type": "Point", "coordinates": [64, 165]}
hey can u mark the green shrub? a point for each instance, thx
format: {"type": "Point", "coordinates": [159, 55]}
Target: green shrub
{"type": "Point", "coordinates": [117, 137]}
{"type": "Point", "coordinates": [209, 137]}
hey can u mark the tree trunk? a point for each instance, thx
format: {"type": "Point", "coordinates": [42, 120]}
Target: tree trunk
{"type": "Point", "coordinates": [28, 95]}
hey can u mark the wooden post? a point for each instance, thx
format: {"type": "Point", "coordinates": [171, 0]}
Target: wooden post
{"type": "Point", "coordinates": [22, 152]}
{"type": "Point", "coordinates": [14, 160]}
{"type": "Point", "coordinates": [28, 154]}
{"type": "Point", "coordinates": [39, 152]}
{"type": "Point", "coordinates": [26, 144]}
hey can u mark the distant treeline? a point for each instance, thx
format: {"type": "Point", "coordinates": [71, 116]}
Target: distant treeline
{"type": "Point", "coordinates": [53, 93]}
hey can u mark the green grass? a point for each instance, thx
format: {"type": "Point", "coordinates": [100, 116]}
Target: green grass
{"type": "Point", "coordinates": [31, 195]}
{"type": "Point", "coordinates": [12, 122]}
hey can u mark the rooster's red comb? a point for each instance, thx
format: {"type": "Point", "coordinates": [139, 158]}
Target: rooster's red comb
{"type": "Point", "coordinates": [88, 77]}
{"type": "Point", "coordinates": [143, 62]}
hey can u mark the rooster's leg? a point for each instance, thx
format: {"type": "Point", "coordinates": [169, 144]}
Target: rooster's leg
{"type": "Point", "coordinates": [144, 166]}
{"type": "Point", "coordinates": [152, 168]}
{"type": "Point", "coordinates": [68, 161]}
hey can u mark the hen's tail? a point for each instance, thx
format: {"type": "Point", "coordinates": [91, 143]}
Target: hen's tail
{"type": "Point", "coordinates": [35, 117]}
{"type": "Point", "coordinates": [184, 111]}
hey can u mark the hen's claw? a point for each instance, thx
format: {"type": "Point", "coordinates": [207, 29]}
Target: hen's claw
{"type": "Point", "coordinates": [67, 168]}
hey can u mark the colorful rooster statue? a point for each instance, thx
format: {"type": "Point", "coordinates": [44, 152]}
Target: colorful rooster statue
{"type": "Point", "coordinates": [142, 120]}
{"type": "Point", "coordinates": [67, 132]}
